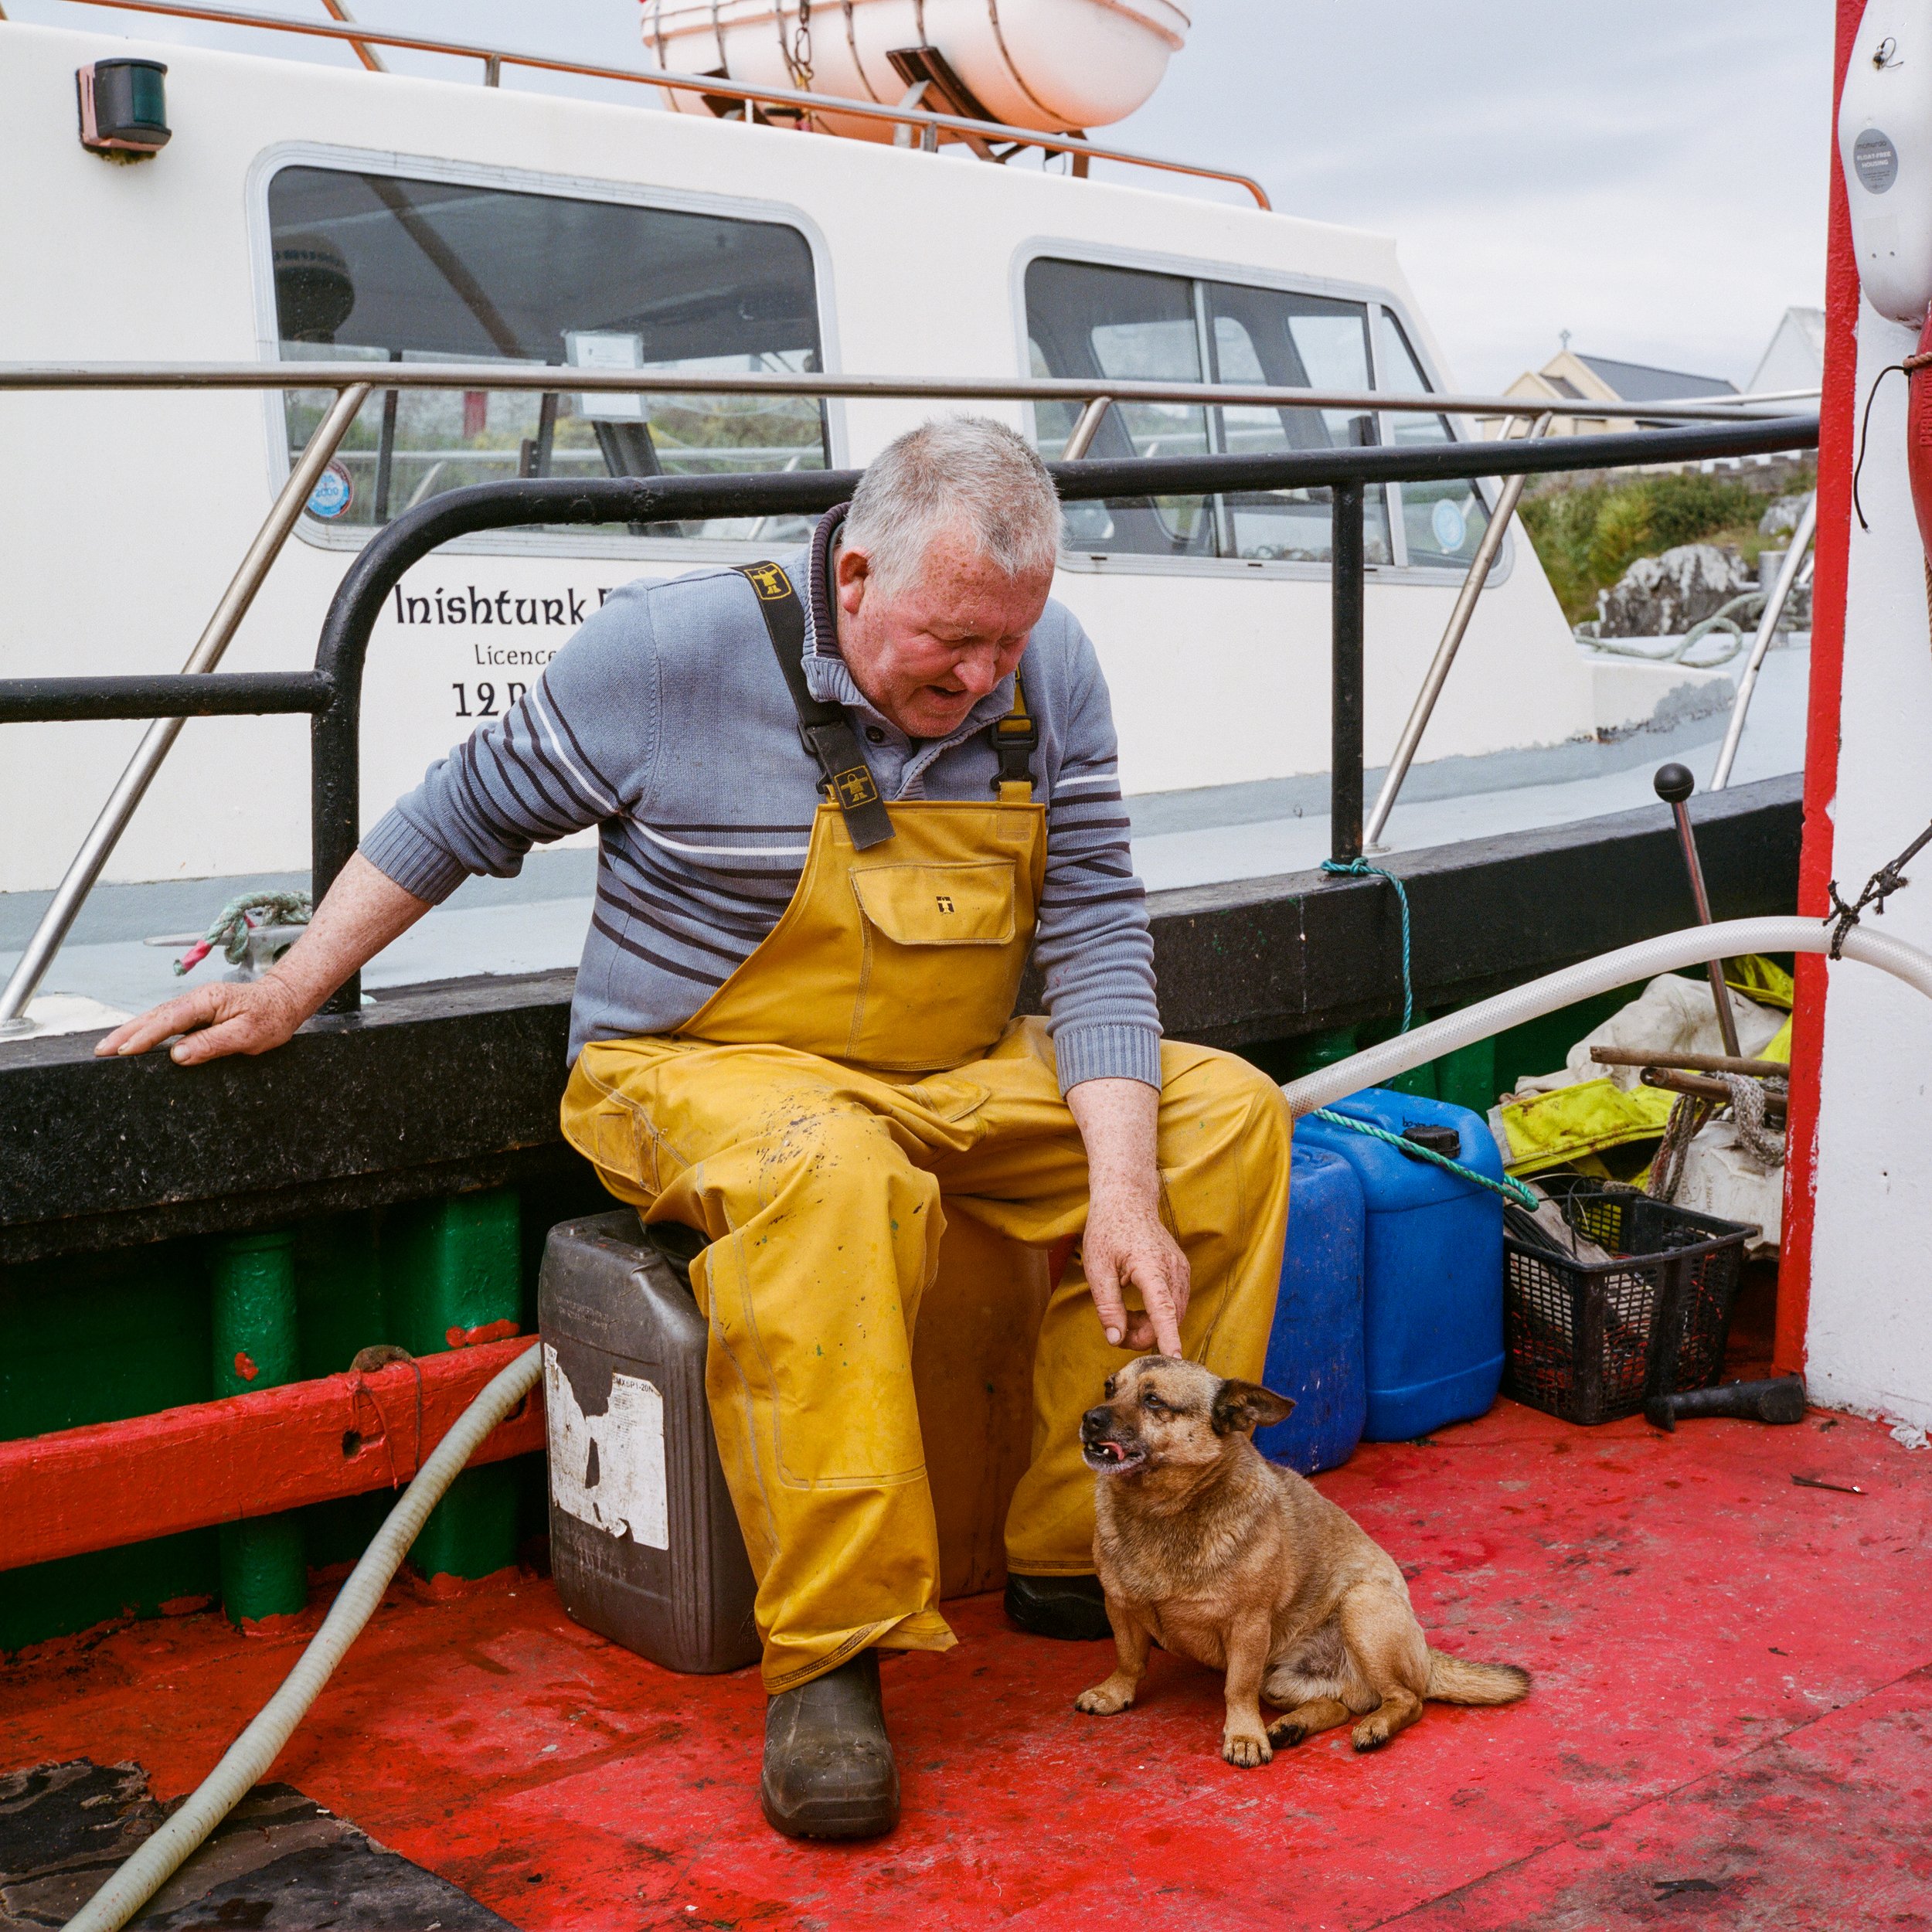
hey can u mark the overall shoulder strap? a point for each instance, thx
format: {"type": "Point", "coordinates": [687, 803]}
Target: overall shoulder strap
{"type": "Point", "coordinates": [824, 728]}
{"type": "Point", "coordinates": [1014, 738]}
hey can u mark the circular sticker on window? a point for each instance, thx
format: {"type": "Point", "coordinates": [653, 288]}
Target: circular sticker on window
{"type": "Point", "coordinates": [1876, 159]}
{"type": "Point", "coordinates": [334, 492]}
{"type": "Point", "coordinates": [1448, 525]}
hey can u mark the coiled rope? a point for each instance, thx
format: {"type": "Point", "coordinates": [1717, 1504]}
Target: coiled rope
{"type": "Point", "coordinates": [1764, 1145]}
{"type": "Point", "coordinates": [232, 926]}
{"type": "Point", "coordinates": [1750, 603]}
{"type": "Point", "coordinates": [1688, 1115]}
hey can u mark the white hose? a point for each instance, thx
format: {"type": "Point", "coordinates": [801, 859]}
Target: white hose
{"type": "Point", "coordinates": [1644, 960]}
{"type": "Point", "coordinates": [161, 1856]}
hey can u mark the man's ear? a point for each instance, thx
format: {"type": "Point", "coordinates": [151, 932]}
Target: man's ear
{"type": "Point", "coordinates": [1246, 1406]}
{"type": "Point", "coordinates": [851, 577]}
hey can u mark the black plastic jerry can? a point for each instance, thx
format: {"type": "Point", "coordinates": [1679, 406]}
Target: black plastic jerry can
{"type": "Point", "coordinates": [644, 1546]}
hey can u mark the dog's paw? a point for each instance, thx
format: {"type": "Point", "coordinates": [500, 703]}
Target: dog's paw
{"type": "Point", "coordinates": [1103, 1700]}
{"type": "Point", "coordinates": [1246, 1749]}
{"type": "Point", "coordinates": [1372, 1732]}
{"type": "Point", "coordinates": [1285, 1732]}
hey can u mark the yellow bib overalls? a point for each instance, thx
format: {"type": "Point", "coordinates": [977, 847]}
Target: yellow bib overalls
{"type": "Point", "coordinates": [861, 1068]}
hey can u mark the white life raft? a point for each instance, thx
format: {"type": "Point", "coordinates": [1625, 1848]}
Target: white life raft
{"type": "Point", "coordinates": [1055, 66]}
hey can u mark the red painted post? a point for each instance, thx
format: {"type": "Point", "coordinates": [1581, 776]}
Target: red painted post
{"type": "Point", "coordinates": [1834, 457]}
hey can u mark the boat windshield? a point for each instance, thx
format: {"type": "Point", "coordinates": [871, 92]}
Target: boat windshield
{"type": "Point", "coordinates": [375, 267]}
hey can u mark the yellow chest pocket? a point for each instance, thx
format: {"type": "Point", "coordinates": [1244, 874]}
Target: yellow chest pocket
{"type": "Point", "coordinates": [944, 945]}
{"type": "Point", "coordinates": [965, 904]}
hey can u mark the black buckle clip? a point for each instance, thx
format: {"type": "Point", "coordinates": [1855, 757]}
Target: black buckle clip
{"type": "Point", "coordinates": [1015, 741]}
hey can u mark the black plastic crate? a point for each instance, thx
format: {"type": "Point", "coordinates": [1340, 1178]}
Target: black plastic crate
{"type": "Point", "coordinates": [1588, 1341]}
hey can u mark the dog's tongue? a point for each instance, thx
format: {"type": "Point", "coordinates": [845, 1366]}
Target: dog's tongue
{"type": "Point", "coordinates": [1112, 1450]}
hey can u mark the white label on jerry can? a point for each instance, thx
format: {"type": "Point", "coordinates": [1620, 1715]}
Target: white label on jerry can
{"type": "Point", "coordinates": [608, 1470]}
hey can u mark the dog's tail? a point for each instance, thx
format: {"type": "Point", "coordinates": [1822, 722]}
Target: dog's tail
{"type": "Point", "coordinates": [1454, 1680]}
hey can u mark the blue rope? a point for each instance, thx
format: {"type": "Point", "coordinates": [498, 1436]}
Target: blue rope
{"type": "Point", "coordinates": [1361, 869]}
{"type": "Point", "coordinates": [1510, 1190]}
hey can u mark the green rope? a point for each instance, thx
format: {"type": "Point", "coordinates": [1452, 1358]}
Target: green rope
{"type": "Point", "coordinates": [1510, 1190]}
{"type": "Point", "coordinates": [232, 924]}
{"type": "Point", "coordinates": [1361, 869]}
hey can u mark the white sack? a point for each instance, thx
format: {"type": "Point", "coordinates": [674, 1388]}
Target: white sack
{"type": "Point", "coordinates": [1671, 1015]}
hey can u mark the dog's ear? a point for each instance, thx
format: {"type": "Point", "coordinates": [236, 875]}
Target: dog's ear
{"type": "Point", "coordinates": [1246, 1406]}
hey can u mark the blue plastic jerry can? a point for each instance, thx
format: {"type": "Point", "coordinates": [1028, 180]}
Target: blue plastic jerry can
{"type": "Point", "coordinates": [1432, 1264]}
{"type": "Point", "coordinates": [1314, 1348]}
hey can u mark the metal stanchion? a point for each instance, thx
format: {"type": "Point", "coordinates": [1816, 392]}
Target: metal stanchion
{"type": "Point", "coordinates": [1674, 785]}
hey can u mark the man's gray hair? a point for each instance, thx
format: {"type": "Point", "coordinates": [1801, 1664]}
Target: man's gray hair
{"type": "Point", "coordinates": [966, 473]}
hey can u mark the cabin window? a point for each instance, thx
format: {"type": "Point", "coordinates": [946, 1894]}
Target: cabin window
{"type": "Point", "coordinates": [1085, 320]}
{"type": "Point", "coordinates": [1442, 522]}
{"type": "Point", "coordinates": [1104, 322]}
{"type": "Point", "coordinates": [372, 268]}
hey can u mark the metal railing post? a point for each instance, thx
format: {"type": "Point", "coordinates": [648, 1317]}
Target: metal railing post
{"type": "Point", "coordinates": [158, 739]}
{"type": "Point", "coordinates": [1345, 757]}
{"type": "Point", "coordinates": [364, 53]}
{"type": "Point", "coordinates": [1086, 429]}
{"type": "Point", "coordinates": [1773, 609]}
{"type": "Point", "coordinates": [1480, 566]}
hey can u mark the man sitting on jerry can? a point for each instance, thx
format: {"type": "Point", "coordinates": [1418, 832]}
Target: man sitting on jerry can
{"type": "Point", "coordinates": [840, 798]}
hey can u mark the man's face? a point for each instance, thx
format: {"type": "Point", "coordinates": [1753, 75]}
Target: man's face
{"type": "Point", "coordinates": [928, 652]}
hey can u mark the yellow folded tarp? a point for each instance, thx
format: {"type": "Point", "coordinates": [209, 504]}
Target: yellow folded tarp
{"type": "Point", "coordinates": [1575, 1122]}
{"type": "Point", "coordinates": [1550, 1129]}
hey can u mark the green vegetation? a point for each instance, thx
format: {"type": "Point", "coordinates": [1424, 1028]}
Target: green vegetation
{"type": "Point", "coordinates": [1587, 537]}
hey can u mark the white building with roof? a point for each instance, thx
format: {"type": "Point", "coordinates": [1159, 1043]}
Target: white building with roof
{"type": "Point", "coordinates": [1795, 357]}
{"type": "Point", "coordinates": [1572, 377]}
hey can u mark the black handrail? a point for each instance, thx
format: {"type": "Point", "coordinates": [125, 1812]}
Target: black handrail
{"type": "Point", "coordinates": [1121, 478]}
{"type": "Point", "coordinates": [333, 691]}
{"type": "Point", "coordinates": [188, 695]}
{"type": "Point", "coordinates": [1345, 651]}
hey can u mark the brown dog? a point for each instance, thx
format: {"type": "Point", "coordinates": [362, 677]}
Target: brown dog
{"type": "Point", "coordinates": [1207, 1549]}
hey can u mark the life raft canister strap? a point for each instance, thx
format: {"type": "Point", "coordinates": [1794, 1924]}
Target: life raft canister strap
{"type": "Point", "coordinates": [823, 727]}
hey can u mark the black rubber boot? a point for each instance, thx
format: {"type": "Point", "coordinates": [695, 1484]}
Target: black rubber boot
{"type": "Point", "coordinates": [829, 1764]}
{"type": "Point", "coordinates": [1068, 1607]}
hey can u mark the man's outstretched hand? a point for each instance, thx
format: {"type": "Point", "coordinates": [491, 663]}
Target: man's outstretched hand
{"type": "Point", "coordinates": [230, 1016]}
{"type": "Point", "coordinates": [362, 912]}
{"type": "Point", "coordinates": [1126, 1240]}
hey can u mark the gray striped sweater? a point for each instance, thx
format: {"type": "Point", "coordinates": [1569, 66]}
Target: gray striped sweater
{"type": "Point", "coordinates": [665, 722]}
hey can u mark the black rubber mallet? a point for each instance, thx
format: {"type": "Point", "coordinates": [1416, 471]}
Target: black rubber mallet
{"type": "Point", "coordinates": [1674, 785]}
{"type": "Point", "coordinates": [1780, 1399]}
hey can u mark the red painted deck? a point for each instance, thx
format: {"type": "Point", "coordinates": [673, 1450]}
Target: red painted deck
{"type": "Point", "coordinates": [1732, 1725]}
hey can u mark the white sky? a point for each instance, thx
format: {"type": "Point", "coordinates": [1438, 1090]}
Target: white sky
{"type": "Point", "coordinates": [1649, 174]}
